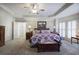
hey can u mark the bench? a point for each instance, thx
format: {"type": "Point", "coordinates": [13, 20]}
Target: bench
{"type": "Point", "coordinates": [77, 38]}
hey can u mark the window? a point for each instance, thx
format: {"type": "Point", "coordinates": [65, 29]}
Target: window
{"type": "Point", "coordinates": [69, 27]}
{"type": "Point", "coordinates": [71, 30]}
{"type": "Point", "coordinates": [62, 29]}
{"type": "Point", "coordinates": [57, 27]}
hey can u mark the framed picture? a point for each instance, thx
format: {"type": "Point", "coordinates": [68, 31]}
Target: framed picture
{"type": "Point", "coordinates": [41, 24]}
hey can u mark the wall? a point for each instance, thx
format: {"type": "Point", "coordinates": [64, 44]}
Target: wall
{"type": "Point", "coordinates": [6, 20]}
{"type": "Point", "coordinates": [33, 22]}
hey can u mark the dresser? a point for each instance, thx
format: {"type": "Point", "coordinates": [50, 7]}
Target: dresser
{"type": "Point", "coordinates": [2, 35]}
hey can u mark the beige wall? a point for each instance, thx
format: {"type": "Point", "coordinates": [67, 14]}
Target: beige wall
{"type": "Point", "coordinates": [6, 20]}
{"type": "Point", "coordinates": [33, 22]}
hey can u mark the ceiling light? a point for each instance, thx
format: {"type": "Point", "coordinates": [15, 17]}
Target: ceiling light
{"type": "Point", "coordinates": [34, 11]}
{"type": "Point", "coordinates": [35, 7]}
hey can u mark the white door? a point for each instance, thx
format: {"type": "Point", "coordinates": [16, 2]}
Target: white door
{"type": "Point", "coordinates": [20, 30]}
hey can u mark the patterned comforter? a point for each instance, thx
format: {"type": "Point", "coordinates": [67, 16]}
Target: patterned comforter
{"type": "Point", "coordinates": [44, 37]}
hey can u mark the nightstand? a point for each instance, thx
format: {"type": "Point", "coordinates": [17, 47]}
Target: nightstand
{"type": "Point", "coordinates": [29, 35]}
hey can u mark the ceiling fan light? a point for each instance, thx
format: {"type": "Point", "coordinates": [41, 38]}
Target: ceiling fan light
{"type": "Point", "coordinates": [35, 7]}
{"type": "Point", "coordinates": [34, 11]}
{"type": "Point", "coordinates": [42, 10]}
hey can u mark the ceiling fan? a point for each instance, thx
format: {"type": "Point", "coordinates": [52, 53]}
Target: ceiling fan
{"type": "Point", "coordinates": [35, 8]}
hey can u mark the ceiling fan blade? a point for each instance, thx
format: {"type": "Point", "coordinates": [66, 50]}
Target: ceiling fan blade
{"type": "Point", "coordinates": [42, 9]}
{"type": "Point", "coordinates": [26, 7]}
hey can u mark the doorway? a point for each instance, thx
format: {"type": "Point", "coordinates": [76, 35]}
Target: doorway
{"type": "Point", "coordinates": [19, 30]}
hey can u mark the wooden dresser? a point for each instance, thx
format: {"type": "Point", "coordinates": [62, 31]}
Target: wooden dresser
{"type": "Point", "coordinates": [2, 35]}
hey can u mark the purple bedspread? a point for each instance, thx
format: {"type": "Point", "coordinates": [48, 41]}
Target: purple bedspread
{"type": "Point", "coordinates": [44, 37]}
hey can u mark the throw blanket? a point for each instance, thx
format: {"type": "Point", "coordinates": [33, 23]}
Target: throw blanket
{"type": "Point", "coordinates": [44, 37]}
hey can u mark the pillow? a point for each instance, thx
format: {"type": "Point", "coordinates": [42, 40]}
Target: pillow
{"type": "Point", "coordinates": [37, 31]}
{"type": "Point", "coordinates": [45, 31]}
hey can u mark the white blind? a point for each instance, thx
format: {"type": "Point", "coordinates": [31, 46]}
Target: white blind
{"type": "Point", "coordinates": [71, 28]}
{"type": "Point", "coordinates": [62, 29]}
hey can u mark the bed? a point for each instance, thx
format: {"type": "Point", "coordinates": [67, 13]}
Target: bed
{"type": "Point", "coordinates": [46, 41]}
{"type": "Point", "coordinates": [48, 47]}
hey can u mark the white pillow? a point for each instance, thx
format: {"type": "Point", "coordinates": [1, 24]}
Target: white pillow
{"type": "Point", "coordinates": [37, 31]}
{"type": "Point", "coordinates": [45, 31]}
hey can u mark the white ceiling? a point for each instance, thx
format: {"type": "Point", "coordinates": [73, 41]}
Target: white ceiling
{"type": "Point", "coordinates": [20, 11]}
{"type": "Point", "coordinates": [50, 9]}
{"type": "Point", "coordinates": [73, 9]}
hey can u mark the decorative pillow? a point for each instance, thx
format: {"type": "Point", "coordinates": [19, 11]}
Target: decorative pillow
{"type": "Point", "coordinates": [56, 37]}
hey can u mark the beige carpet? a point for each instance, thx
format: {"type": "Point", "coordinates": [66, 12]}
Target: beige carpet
{"type": "Point", "coordinates": [22, 47]}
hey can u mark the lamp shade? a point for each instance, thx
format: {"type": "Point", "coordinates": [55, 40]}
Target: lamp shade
{"type": "Point", "coordinates": [29, 26]}
{"type": "Point", "coordinates": [54, 27]}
